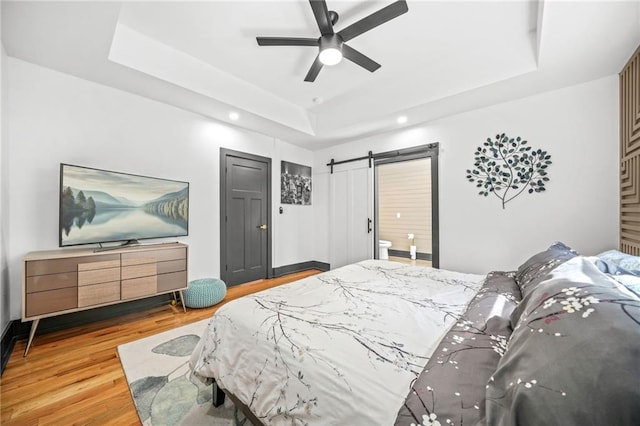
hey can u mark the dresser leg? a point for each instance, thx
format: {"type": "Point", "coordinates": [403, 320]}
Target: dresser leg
{"type": "Point", "coordinates": [34, 326]}
{"type": "Point", "coordinates": [184, 307]}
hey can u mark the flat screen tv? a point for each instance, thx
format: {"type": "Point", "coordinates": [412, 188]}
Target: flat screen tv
{"type": "Point", "coordinates": [101, 206]}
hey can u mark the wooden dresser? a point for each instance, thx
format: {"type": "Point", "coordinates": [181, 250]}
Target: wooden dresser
{"type": "Point", "coordinates": [69, 280]}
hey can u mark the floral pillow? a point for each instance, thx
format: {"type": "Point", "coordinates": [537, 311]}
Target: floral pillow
{"type": "Point", "coordinates": [573, 357]}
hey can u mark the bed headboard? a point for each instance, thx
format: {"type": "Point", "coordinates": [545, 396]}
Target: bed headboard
{"type": "Point", "coordinates": [630, 156]}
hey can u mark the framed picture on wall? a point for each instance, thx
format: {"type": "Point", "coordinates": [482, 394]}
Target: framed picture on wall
{"type": "Point", "coordinates": [295, 184]}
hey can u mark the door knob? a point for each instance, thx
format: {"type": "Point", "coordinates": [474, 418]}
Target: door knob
{"type": "Point", "coordinates": [263, 227]}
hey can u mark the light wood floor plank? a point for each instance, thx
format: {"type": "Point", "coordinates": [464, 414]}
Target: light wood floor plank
{"type": "Point", "coordinates": [74, 376]}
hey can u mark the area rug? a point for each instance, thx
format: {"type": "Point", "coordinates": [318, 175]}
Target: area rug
{"type": "Point", "coordinates": [164, 390]}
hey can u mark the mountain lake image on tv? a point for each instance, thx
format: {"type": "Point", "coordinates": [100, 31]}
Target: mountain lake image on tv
{"type": "Point", "coordinates": [98, 206]}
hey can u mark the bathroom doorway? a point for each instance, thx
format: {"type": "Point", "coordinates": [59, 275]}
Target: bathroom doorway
{"type": "Point", "coordinates": [406, 207]}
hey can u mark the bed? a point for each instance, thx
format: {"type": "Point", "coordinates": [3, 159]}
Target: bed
{"type": "Point", "coordinates": [384, 343]}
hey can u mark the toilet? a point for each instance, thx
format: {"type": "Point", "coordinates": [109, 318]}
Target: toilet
{"type": "Point", "coordinates": [383, 249]}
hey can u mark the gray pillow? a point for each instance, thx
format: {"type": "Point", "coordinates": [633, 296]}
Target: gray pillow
{"type": "Point", "coordinates": [574, 355]}
{"type": "Point", "coordinates": [534, 270]}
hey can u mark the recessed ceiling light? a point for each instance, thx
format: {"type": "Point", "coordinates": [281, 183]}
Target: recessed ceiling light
{"type": "Point", "coordinates": [402, 119]}
{"type": "Point", "coordinates": [234, 116]}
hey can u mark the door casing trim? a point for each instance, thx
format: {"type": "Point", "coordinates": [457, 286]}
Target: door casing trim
{"type": "Point", "coordinates": [224, 153]}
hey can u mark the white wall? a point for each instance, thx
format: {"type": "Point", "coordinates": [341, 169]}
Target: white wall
{"type": "Point", "coordinates": [577, 125]}
{"type": "Point", "coordinates": [4, 183]}
{"type": "Point", "coordinates": [58, 118]}
{"type": "Point", "coordinates": [295, 224]}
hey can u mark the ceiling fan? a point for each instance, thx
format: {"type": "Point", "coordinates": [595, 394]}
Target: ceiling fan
{"type": "Point", "coordinates": [332, 45]}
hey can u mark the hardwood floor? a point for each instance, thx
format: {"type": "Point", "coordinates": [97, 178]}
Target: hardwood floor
{"type": "Point", "coordinates": [74, 376]}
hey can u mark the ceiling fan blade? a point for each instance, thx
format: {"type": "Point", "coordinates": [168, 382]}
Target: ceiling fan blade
{"type": "Point", "coordinates": [287, 41]}
{"type": "Point", "coordinates": [314, 70]}
{"type": "Point", "coordinates": [377, 18]}
{"type": "Point", "coordinates": [321, 13]}
{"type": "Point", "coordinates": [358, 58]}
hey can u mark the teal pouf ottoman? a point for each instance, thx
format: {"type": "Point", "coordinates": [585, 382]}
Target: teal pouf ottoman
{"type": "Point", "coordinates": [204, 292]}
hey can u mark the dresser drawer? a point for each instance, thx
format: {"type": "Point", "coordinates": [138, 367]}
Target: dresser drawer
{"type": "Point", "coordinates": [141, 260]}
{"type": "Point", "coordinates": [172, 266]}
{"type": "Point", "coordinates": [98, 276]}
{"type": "Point", "coordinates": [133, 258]}
{"type": "Point", "coordinates": [97, 294]}
{"type": "Point", "coordinates": [51, 282]}
{"type": "Point", "coordinates": [46, 302]}
{"type": "Point", "coordinates": [139, 271]}
{"type": "Point", "coordinates": [60, 265]}
{"type": "Point", "coordinates": [172, 281]}
{"type": "Point", "coordinates": [139, 287]}
{"type": "Point", "coordinates": [105, 264]}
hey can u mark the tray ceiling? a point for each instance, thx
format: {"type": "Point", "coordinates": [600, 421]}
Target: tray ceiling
{"type": "Point", "coordinates": [438, 59]}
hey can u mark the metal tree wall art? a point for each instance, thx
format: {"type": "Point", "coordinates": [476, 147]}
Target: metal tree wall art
{"type": "Point", "coordinates": [505, 167]}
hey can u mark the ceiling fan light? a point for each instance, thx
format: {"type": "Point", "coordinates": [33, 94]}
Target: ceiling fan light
{"type": "Point", "coordinates": [330, 56]}
{"type": "Point", "coordinates": [330, 49]}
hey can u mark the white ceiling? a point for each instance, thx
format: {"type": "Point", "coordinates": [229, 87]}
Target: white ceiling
{"type": "Point", "coordinates": [440, 58]}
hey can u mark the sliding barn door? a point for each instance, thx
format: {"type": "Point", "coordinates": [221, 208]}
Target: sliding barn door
{"type": "Point", "coordinates": [351, 210]}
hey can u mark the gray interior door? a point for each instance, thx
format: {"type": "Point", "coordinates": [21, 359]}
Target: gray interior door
{"type": "Point", "coordinates": [246, 220]}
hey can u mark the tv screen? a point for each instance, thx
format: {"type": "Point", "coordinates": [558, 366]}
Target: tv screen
{"type": "Point", "coordinates": [99, 206]}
